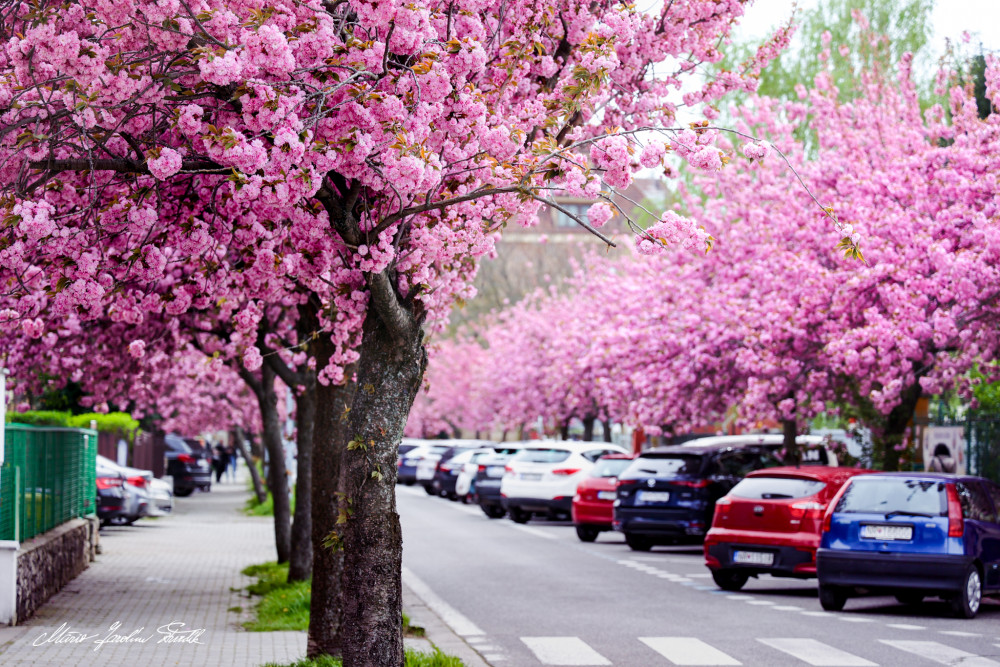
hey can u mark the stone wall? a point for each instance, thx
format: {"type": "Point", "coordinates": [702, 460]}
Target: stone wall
{"type": "Point", "coordinates": [49, 561]}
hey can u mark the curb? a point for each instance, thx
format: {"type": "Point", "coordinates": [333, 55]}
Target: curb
{"type": "Point", "coordinates": [438, 632]}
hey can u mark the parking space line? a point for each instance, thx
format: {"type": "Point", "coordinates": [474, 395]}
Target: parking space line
{"type": "Point", "coordinates": [688, 651]}
{"type": "Point", "coordinates": [817, 653]}
{"type": "Point", "coordinates": [564, 651]}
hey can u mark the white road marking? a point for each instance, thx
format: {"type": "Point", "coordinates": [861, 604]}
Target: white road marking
{"type": "Point", "coordinates": [532, 531]}
{"type": "Point", "coordinates": [564, 651]}
{"type": "Point", "coordinates": [854, 619]}
{"type": "Point", "coordinates": [940, 653]}
{"type": "Point", "coordinates": [815, 613]}
{"type": "Point", "coordinates": [905, 626]}
{"type": "Point", "coordinates": [959, 633]}
{"type": "Point", "coordinates": [688, 651]}
{"type": "Point", "coordinates": [764, 602]}
{"type": "Point", "coordinates": [452, 617]}
{"type": "Point", "coordinates": [817, 653]}
{"type": "Point", "coordinates": [788, 607]}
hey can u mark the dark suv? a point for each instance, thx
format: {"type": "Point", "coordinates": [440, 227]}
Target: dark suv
{"type": "Point", "coordinates": [190, 468]}
{"type": "Point", "coordinates": [667, 495]}
{"type": "Point", "coordinates": [912, 535]}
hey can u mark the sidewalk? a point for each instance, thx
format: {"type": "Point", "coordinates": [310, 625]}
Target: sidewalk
{"type": "Point", "coordinates": [164, 592]}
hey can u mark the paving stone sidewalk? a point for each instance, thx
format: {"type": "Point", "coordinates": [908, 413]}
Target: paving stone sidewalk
{"type": "Point", "coordinates": [167, 589]}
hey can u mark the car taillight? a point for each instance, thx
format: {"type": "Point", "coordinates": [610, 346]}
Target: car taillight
{"type": "Point", "coordinates": [137, 481]}
{"type": "Point", "coordinates": [186, 458]}
{"type": "Point", "coordinates": [482, 468]}
{"type": "Point", "coordinates": [807, 509]}
{"type": "Point", "coordinates": [399, 463]}
{"type": "Point", "coordinates": [444, 468]}
{"type": "Point", "coordinates": [691, 484]}
{"type": "Point", "coordinates": [956, 524]}
{"type": "Point", "coordinates": [108, 482]}
{"type": "Point", "coordinates": [508, 469]}
{"type": "Point", "coordinates": [720, 506]}
{"type": "Point", "coordinates": [566, 471]}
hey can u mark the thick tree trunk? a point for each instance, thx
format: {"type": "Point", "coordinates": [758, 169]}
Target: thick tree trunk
{"type": "Point", "coordinates": [258, 486]}
{"type": "Point", "coordinates": [792, 454]}
{"type": "Point", "coordinates": [389, 375]}
{"type": "Point", "coordinates": [588, 428]}
{"type": "Point", "coordinates": [606, 424]}
{"type": "Point", "coordinates": [329, 440]}
{"type": "Point", "coordinates": [300, 562]}
{"type": "Point", "coordinates": [277, 477]}
{"type": "Point", "coordinates": [564, 430]}
{"type": "Point", "coordinates": [895, 426]}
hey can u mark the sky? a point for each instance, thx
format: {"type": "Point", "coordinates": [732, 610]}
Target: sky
{"type": "Point", "coordinates": [950, 19]}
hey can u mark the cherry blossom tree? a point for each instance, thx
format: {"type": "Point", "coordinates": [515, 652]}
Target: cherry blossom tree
{"type": "Point", "coordinates": [367, 153]}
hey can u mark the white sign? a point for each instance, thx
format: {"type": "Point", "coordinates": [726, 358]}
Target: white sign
{"type": "Point", "coordinates": [944, 449]}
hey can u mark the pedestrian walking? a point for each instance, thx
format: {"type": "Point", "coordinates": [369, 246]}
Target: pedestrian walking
{"type": "Point", "coordinates": [220, 462]}
{"type": "Point", "coordinates": [233, 461]}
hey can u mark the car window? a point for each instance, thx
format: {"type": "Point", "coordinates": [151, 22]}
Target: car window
{"type": "Point", "coordinates": [773, 488]}
{"type": "Point", "coordinates": [594, 454]}
{"type": "Point", "coordinates": [670, 465]}
{"type": "Point", "coordinates": [541, 455]}
{"type": "Point", "coordinates": [609, 467]}
{"type": "Point", "coordinates": [976, 504]}
{"type": "Point", "coordinates": [887, 495]}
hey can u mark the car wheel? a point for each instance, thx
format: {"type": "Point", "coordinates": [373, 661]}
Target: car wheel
{"type": "Point", "coordinates": [183, 493]}
{"type": "Point", "coordinates": [832, 598]}
{"type": "Point", "coordinates": [408, 482]}
{"type": "Point", "coordinates": [453, 497]}
{"type": "Point", "coordinates": [966, 603]}
{"type": "Point", "coordinates": [638, 543]}
{"type": "Point", "coordinates": [730, 580]}
{"type": "Point", "coordinates": [493, 511]}
{"type": "Point", "coordinates": [429, 490]}
{"type": "Point", "coordinates": [909, 598]}
{"type": "Point", "coordinates": [518, 515]}
{"type": "Point", "coordinates": [587, 533]}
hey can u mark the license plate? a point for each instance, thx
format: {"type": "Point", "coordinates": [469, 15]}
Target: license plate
{"type": "Point", "coordinates": [495, 471]}
{"type": "Point", "coordinates": [531, 476]}
{"type": "Point", "coordinates": [753, 557]}
{"type": "Point", "coordinates": [650, 497]}
{"type": "Point", "coordinates": [606, 495]}
{"type": "Point", "coordinates": [879, 531]}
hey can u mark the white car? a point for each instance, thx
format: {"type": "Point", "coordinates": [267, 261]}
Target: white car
{"type": "Point", "coordinates": [543, 476]}
{"type": "Point", "coordinates": [158, 494]}
{"type": "Point", "coordinates": [814, 449]}
{"type": "Point", "coordinates": [472, 465]}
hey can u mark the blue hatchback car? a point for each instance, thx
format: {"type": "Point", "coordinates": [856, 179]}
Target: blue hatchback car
{"type": "Point", "coordinates": [912, 535]}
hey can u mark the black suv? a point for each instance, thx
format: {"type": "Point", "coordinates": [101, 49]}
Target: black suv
{"type": "Point", "coordinates": [190, 468]}
{"type": "Point", "coordinates": [667, 495]}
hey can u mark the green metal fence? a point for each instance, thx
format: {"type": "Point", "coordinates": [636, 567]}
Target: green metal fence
{"type": "Point", "coordinates": [10, 505]}
{"type": "Point", "coordinates": [54, 478]}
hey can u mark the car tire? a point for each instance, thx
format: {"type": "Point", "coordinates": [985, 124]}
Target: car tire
{"type": "Point", "coordinates": [730, 580]}
{"type": "Point", "coordinates": [518, 515]}
{"type": "Point", "coordinates": [638, 543]}
{"type": "Point", "coordinates": [966, 603]}
{"type": "Point", "coordinates": [183, 493]}
{"type": "Point", "coordinates": [430, 491]}
{"type": "Point", "coordinates": [832, 598]}
{"type": "Point", "coordinates": [453, 497]}
{"type": "Point", "coordinates": [408, 482]}
{"type": "Point", "coordinates": [909, 598]}
{"type": "Point", "coordinates": [587, 533]}
{"type": "Point", "coordinates": [493, 511]}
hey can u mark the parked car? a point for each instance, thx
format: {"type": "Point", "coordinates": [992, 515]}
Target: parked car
{"type": "Point", "coordinates": [447, 470]}
{"type": "Point", "coordinates": [190, 468]}
{"type": "Point", "coordinates": [489, 476]}
{"type": "Point", "coordinates": [542, 477]}
{"type": "Point", "coordinates": [912, 535]}
{"type": "Point", "coordinates": [813, 449]}
{"type": "Point", "coordinates": [406, 465]}
{"type": "Point", "coordinates": [465, 482]}
{"type": "Point", "coordinates": [155, 492]}
{"type": "Point", "coordinates": [115, 505]}
{"type": "Point", "coordinates": [441, 450]}
{"type": "Point", "coordinates": [593, 504]}
{"type": "Point", "coordinates": [667, 495]}
{"type": "Point", "coordinates": [770, 522]}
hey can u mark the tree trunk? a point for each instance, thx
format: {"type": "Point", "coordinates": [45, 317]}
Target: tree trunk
{"type": "Point", "coordinates": [896, 423]}
{"type": "Point", "coordinates": [792, 454]}
{"type": "Point", "coordinates": [606, 424]}
{"type": "Point", "coordinates": [258, 486]}
{"type": "Point", "coordinates": [564, 430]}
{"type": "Point", "coordinates": [277, 477]}
{"type": "Point", "coordinates": [329, 439]}
{"type": "Point", "coordinates": [300, 563]}
{"type": "Point", "coordinates": [389, 374]}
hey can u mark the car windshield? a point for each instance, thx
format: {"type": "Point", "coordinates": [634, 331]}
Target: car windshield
{"type": "Point", "coordinates": [774, 488]}
{"type": "Point", "coordinates": [541, 455]}
{"type": "Point", "coordinates": [610, 467]}
{"type": "Point", "coordinates": [886, 496]}
{"type": "Point", "coordinates": [669, 465]}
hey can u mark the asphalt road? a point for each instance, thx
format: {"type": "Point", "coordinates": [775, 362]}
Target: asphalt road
{"type": "Point", "coordinates": [536, 595]}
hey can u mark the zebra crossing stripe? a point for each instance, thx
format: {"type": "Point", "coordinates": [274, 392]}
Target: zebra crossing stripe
{"type": "Point", "coordinates": [940, 653]}
{"type": "Point", "coordinates": [817, 653]}
{"type": "Point", "coordinates": [564, 651]}
{"type": "Point", "coordinates": [688, 651]}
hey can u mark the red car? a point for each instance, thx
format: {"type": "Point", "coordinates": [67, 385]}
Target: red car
{"type": "Point", "coordinates": [593, 504]}
{"type": "Point", "coordinates": [770, 523]}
